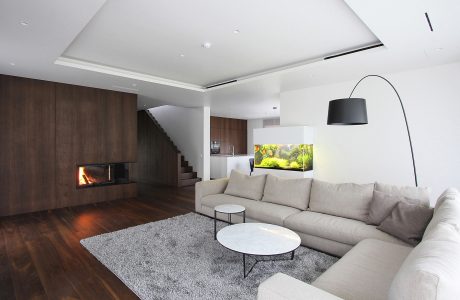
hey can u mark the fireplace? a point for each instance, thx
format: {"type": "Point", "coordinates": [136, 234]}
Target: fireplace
{"type": "Point", "coordinates": [91, 175]}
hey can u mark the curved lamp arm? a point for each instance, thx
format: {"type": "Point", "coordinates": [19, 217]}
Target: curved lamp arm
{"type": "Point", "coordinates": [405, 118]}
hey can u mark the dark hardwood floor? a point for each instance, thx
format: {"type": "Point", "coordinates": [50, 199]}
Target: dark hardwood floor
{"type": "Point", "coordinates": [41, 256]}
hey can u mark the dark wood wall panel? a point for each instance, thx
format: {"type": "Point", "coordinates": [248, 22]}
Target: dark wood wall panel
{"type": "Point", "coordinates": [229, 132]}
{"type": "Point", "coordinates": [129, 128]}
{"type": "Point", "coordinates": [47, 129]}
{"type": "Point", "coordinates": [91, 129]}
{"type": "Point", "coordinates": [157, 161]}
{"type": "Point", "coordinates": [27, 141]}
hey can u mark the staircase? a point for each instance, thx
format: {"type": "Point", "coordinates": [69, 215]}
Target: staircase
{"type": "Point", "coordinates": [186, 176]}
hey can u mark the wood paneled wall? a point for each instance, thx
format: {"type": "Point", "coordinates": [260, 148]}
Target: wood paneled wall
{"type": "Point", "coordinates": [27, 145]}
{"type": "Point", "coordinates": [47, 129]}
{"type": "Point", "coordinates": [230, 132]}
{"type": "Point", "coordinates": [92, 126]}
{"type": "Point", "coordinates": [158, 161]}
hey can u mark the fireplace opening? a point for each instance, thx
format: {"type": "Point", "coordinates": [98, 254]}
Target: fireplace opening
{"type": "Point", "coordinates": [91, 175]}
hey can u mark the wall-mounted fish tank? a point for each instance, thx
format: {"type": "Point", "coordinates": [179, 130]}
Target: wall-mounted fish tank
{"type": "Point", "coordinates": [292, 157]}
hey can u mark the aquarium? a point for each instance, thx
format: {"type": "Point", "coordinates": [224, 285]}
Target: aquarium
{"type": "Point", "coordinates": [293, 157]}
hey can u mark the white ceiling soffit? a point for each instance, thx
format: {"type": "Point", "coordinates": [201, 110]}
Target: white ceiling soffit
{"type": "Point", "coordinates": [161, 41]}
{"type": "Point", "coordinates": [30, 51]}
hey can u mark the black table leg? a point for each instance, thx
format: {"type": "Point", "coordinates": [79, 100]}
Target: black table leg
{"type": "Point", "coordinates": [244, 216]}
{"type": "Point", "coordinates": [244, 265]}
{"type": "Point", "coordinates": [215, 233]}
{"type": "Point", "coordinates": [230, 219]}
{"type": "Point", "coordinates": [292, 254]}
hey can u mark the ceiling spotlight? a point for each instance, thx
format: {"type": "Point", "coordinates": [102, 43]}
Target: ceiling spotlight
{"type": "Point", "coordinates": [206, 45]}
{"type": "Point", "coordinates": [182, 55]}
{"type": "Point", "coordinates": [24, 23]}
{"type": "Point", "coordinates": [12, 64]}
{"type": "Point", "coordinates": [236, 31]}
{"type": "Point", "coordinates": [439, 49]}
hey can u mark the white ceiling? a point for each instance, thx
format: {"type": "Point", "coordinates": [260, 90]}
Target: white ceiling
{"type": "Point", "coordinates": [59, 28]}
{"type": "Point", "coordinates": [149, 36]}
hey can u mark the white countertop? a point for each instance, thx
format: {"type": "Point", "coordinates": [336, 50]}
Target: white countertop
{"type": "Point", "coordinates": [223, 164]}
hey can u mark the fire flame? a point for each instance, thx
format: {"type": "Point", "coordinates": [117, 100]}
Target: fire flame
{"type": "Point", "coordinates": [83, 178]}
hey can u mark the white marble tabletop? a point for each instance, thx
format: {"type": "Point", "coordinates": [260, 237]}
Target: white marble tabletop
{"type": "Point", "coordinates": [258, 239]}
{"type": "Point", "coordinates": [229, 208]}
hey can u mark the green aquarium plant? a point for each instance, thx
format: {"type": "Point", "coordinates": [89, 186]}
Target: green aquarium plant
{"type": "Point", "coordinates": [284, 156]}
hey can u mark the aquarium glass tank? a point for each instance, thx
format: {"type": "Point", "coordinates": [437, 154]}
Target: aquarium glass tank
{"type": "Point", "coordinates": [292, 157]}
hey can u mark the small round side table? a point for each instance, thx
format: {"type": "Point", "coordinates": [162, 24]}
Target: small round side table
{"type": "Point", "coordinates": [228, 209]}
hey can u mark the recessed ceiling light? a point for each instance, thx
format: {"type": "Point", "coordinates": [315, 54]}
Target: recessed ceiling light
{"type": "Point", "coordinates": [12, 64]}
{"type": "Point", "coordinates": [24, 23]}
{"type": "Point", "coordinates": [206, 45]}
{"type": "Point", "coordinates": [439, 49]}
{"type": "Point", "coordinates": [182, 55]}
{"type": "Point", "coordinates": [236, 31]}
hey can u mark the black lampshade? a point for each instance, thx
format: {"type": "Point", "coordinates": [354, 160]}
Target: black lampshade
{"type": "Point", "coordinates": [347, 111]}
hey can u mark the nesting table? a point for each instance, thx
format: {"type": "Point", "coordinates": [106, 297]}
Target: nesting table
{"type": "Point", "coordinates": [228, 209]}
{"type": "Point", "coordinates": [259, 239]}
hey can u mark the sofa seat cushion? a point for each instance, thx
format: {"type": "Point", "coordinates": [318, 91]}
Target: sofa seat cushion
{"type": "Point", "coordinates": [334, 228]}
{"type": "Point", "coordinates": [348, 200]}
{"type": "Point", "coordinates": [256, 210]}
{"type": "Point", "coordinates": [282, 287]}
{"type": "Point", "coordinates": [365, 272]}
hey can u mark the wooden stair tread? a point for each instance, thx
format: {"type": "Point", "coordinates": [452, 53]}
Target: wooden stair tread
{"type": "Point", "coordinates": [186, 169]}
{"type": "Point", "coordinates": [186, 175]}
{"type": "Point", "coordinates": [187, 182]}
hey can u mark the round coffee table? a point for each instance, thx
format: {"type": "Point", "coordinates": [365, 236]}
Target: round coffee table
{"type": "Point", "coordinates": [228, 209]}
{"type": "Point", "coordinates": [259, 239]}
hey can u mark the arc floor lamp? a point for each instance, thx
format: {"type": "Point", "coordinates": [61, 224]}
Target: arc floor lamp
{"type": "Point", "coordinates": [353, 111]}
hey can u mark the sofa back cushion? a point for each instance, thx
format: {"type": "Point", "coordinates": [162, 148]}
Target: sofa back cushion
{"type": "Point", "coordinates": [289, 192]}
{"type": "Point", "coordinates": [432, 269]}
{"type": "Point", "coordinates": [382, 204]}
{"type": "Point", "coordinates": [422, 194]}
{"type": "Point", "coordinates": [242, 185]}
{"type": "Point", "coordinates": [447, 210]}
{"type": "Point", "coordinates": [348, 200]}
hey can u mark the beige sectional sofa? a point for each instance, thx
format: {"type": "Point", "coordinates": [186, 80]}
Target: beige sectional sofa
{"type": "Point", "coordinates": [327, 217]}
{"type": "Point", "coordinates": [331, 218]}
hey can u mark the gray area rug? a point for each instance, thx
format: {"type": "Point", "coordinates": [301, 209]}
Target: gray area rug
{"type": "Point", "coordinates": [178, 258]}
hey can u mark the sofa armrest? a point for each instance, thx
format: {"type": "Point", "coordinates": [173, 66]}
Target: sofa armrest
{"type": "Point", "coordinates": [283, 287]}
{"type": "Point", "coordinates": [209, 187]}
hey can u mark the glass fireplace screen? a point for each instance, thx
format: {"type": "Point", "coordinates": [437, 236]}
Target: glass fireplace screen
{"type": "Point", "coordinates": [102, 174]}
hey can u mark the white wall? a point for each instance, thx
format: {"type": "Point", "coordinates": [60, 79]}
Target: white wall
{"type": "Point", "coordinates": [380, 150]}
{"type": "Point", "coordinates": [206, 144]}
{"type": "Point", "coordinates": [253, 124]}
{"type": "Point", "coordinates": [258, 123]}
{"type": "Point", "coordinates": [189, 128]}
